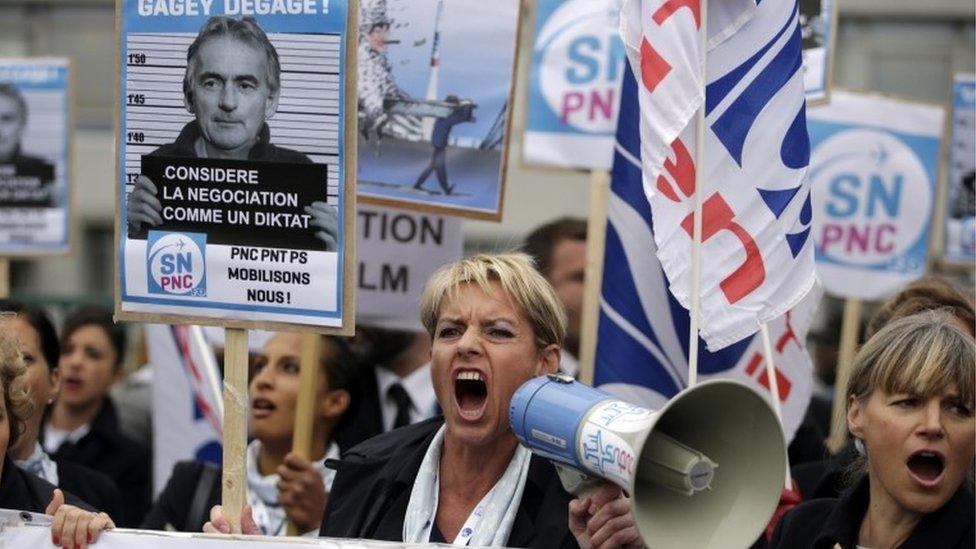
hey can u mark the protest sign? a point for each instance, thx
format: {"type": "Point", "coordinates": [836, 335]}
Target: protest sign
{"type": "Point", "coordinates": [818, 24]}
{"type": "Point", "coordinates": [21, 529]}
{"type": "Point", "coordinates": [236, 192]}
{"type": "Point", "coordinates": [577, 66]}
{"type": "Point", "coordinates": [435, 86]}
{"type": "Point", "coordinates": [574, 84]}
{"type": "Point", "coordinates": [35, 160]}
{"type": "Point", "coordinates": [397, 252]}
{"type": "Point", "coordinates": [873, 170]}
{"type": "Point", "coordinates": [960, 220]}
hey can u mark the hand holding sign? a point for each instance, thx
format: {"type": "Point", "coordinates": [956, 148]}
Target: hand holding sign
{"type": "Point", "coordinates": [301, 492]}
{"type": "Point", "coordinates": [142, 206]}
{"type": "Point", "coordinates": [325, 219]}
{"type": "Point", "coordinates": [75, 527]}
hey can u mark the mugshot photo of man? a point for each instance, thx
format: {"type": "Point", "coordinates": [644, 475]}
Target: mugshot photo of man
{"type": "Point", "coordinates": [232, 87]}
{"type": "Point", "coordinates": [13, 121]}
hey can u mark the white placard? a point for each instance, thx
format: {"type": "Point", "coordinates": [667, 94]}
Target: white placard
{"type": "Point", "coordinates": [873, 171]}
{"type": "Point", "coordinates": [398, 251]}
{"type": "Point", "coordinates": [34, 155]}
{"type": "Point", "coordinates": [235, 194]}
{"type": "Point", "coordinates": [16, 533]}
{"type": "Point", "coordinates": [960, 222]}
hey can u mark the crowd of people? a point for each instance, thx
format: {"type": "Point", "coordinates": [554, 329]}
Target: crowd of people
{"type": "Point", "coordinates": [411, 439]}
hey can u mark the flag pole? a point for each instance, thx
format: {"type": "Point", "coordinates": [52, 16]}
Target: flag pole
{"type": "Point", "coordinates": [849, 327]}
{"type": "Point", "coordinates": [596, 233]}
{"type": "Point", "coordinates": [308, 374]}
{"type": "Point", "coordinates": [4, 277]}
{"type": "Point", "coordinates": [696, 238]}
{"type": "Point", "coordinates": [774, 389]}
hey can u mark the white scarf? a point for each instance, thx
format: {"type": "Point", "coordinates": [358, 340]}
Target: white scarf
{"type": "Point", "coordinates": [491, 521]}
{"type": "Point", "coordinates": [40, 464]}
{"type": "Point", "coordinates": [262, 490]}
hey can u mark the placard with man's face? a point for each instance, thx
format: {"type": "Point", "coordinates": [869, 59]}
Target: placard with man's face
{"type": "Point", "coordinates": [34, 156]}
{"type": "Point", "coordinates": [232, 166]}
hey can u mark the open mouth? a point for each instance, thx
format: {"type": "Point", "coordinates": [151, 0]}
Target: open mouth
{"type": "Point", "coordinates": [926, 466]}
{"type": "Point", "coordinates": [71, 384]}
{"type": "Point", "coordinates": [471, 393]}
{"type": "Point", "coordinates": [262, 407]}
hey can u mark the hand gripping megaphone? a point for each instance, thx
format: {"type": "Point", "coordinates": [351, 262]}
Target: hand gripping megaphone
{"type": "Point", "coordinates": [706, 470]}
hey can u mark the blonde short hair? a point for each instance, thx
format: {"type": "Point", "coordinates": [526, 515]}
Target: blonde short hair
{"type": "Point", "coordinates": [922, 354]}
{"type": "Point", "coordinates": [517, 275]}
{"type": "Point", "coordinates": [15, 396]}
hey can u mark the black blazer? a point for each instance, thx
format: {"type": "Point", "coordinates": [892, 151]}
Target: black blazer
{"type": "Point", "coordinates": [95, 488]}
{"type": "Point", "coordinates": [372, 488]}
{"type": "Point", "coordinates": [25, 491]}
{"type": "Point", "coordinates": [825, 478]}
{"type": "Point", "coordinates": [125, 461]}
{"type": "Point", "coordinates": [821, 523]}
{"type": "Point", "coordinates": [175, 505]}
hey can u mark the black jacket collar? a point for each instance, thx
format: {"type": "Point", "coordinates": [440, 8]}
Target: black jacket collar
{"type": "Point", "coordinates": [15, 490]}
{"type": "Point", "coordinates": [949, 526]}
{"type": "Point", "coordinates": [383, 469]}
{"type": "Point", "coordinates": [107, 420]}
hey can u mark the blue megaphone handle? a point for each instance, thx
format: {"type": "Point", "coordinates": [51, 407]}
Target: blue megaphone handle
{"type": "Point", "coordinates": [546, 413]}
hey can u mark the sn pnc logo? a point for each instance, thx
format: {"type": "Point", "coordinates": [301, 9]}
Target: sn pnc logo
{"type": "Point", "coordinates": [176, 263]}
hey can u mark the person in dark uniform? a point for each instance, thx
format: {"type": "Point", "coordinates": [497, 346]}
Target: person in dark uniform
{"type": "Point", "coordinates": [281, 485]}
{"type": "Point", "coordinates": [439, 139]}
{"type": "Point", "coordinates": [232, 86]}
{"type": "Point", "coordinates": [82, 427]}
{"type": "Point", "coordinates": [39, 349]}
{"type": "Point", "coordinates": [910, 405]}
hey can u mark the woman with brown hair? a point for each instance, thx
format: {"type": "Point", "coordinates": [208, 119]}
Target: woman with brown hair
{"type": "Point", "coordinates": [910, 407]}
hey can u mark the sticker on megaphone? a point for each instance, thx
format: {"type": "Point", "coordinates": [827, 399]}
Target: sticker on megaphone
{"type": "Point", "coordinates": [714, 452]}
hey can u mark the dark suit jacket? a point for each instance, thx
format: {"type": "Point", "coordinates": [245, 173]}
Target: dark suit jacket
{"type": "Point", "coordinates": [95, 488]}
{"type": "Point", "coordinates": [25, 491]}
{"type": "Point", "coordinates": [173, 506]}
{"type": "Point", "coordinates": [821, 523]}
{"type": "Point", "coordinates": [372, 488]}
{"type": "Point", "coordinates": [125, 461]}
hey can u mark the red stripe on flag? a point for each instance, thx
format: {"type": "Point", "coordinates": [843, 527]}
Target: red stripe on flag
{"type": "Point", "coordinates": [671, 6]}
{"type": "Point", "coordinates": [717, 216]}
{"type": "Point", "coordinates": [653, 67]}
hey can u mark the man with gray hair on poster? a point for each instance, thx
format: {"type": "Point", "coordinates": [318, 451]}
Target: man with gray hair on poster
{"type": "Point", "coordinates": [232, 86]}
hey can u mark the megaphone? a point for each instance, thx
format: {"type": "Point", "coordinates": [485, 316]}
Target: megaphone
{"type": "Point", "coordinates": [706, 470]}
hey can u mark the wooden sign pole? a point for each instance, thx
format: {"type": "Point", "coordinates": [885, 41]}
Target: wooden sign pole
{"type": "Point", "coordinates": [4, 278]}
{"type": "Point", "coordinates": [304, 414]}
{"type": "Point", "coordinates": [845, 359]}
{"type": "Point", "coordinates": [596, 231]}
{"type": "Point", "coordinates": [233, 493]}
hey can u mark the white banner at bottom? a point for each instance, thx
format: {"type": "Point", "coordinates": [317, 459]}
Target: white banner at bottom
{"type": "Point", "coordinates": [22, 530]}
